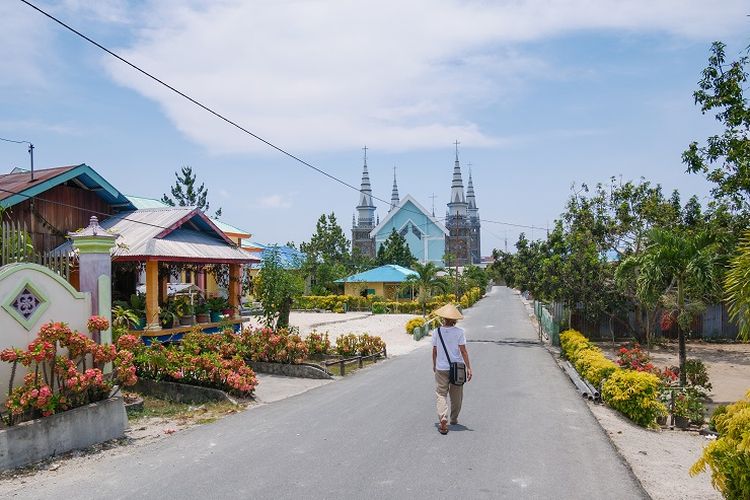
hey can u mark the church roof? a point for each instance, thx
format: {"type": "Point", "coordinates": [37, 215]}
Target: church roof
{"type": "Point", "coordinates": [390, 273]}
{"type": "Point", "coordinates": [408, 198]}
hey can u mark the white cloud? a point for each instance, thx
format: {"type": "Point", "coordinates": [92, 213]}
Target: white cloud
{"type": "Point", "coordinates": [275, 201]}
{"type": "Point", "coordinates": [327, 75]}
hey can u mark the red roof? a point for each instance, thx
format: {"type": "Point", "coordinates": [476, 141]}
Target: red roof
{"type": "Point", "coordinates": [11, 184]}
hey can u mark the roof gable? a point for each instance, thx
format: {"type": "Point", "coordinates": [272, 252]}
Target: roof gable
{"type": "Point", "coordinates": [408, 199]}
{"type": "Point", "coordinates": [17, 186]}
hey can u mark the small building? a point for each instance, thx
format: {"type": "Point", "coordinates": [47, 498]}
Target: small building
{"type": "Point", "coordinates": [289, 258]}
{"type": "Point", "coordinates": [385, 281]}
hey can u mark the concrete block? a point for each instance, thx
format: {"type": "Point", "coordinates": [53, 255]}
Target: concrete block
{"type": "Point", "coordinates": [74, 429]}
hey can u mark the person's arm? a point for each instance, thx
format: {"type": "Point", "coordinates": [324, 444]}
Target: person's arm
{"type": "Point", "coordinates": [434, 357]}
{"type": "Point", "coordinates": [465, 355]}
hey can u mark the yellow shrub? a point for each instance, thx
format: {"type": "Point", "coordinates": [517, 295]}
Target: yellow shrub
{"type": "Point", "coordinates": [728, 457]}
{"type": "Point", "coordinates": [414, 323]}
{"type": "Point", "coordinates": [571, 342]}
{"type": "Point", "coordinates": [594, 366]}
{"type": "Point", "coordinates": [635, 395]}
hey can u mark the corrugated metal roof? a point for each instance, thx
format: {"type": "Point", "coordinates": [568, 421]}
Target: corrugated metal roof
{"type": "Point", "coordinates": [390, 273]}
{"type": "Point", "coordinates": [289, 258]}
{"type": "Point", "coordinates": [141, 203]}
{"type": "Point", "coordinates": [195, 239]}
{"type": "Point", "coordinates": [20, 181]}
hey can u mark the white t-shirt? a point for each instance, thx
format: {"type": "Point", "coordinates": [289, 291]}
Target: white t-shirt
{"type": "Point", "coordinates": [453, 337]}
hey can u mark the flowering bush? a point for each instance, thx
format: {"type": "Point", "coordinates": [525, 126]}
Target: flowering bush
{"type": "Point", "coordinates": [200, 359]}
{"type": "Point", "coordinates": [634, 358]}
{"type": "Point", "coordinates": [414, 323]}
{"type": "Point", "coordinates": [594, 366]}
{"type": "Point", "coordinates": [347, 345]}
{"type": "Point", "coordinates": [728, 457]}
{"type": "Point", "coordinates": [359, 345]}
{"type": "Point", "coordinates": [469, 298]}
{"type": "Point", "coordinates": [667, 321]}
{"type": "Point", "coordinates": [318, 343]}
{"type": "Point", "coordinates": [97, 324]}
{"type": "Point", "coordinates": [280, 346]}
{"type": "Point", "coordinates": [369, 345]}
{"type": "Point", "coordinates": [64, 371]}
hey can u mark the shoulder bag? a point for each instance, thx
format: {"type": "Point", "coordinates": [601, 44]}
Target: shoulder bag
{"type": "Point", "coordinates": [457, 373]}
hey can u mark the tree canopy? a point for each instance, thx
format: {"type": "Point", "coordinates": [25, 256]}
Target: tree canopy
{"type": "Point", "coordinates": [395, 250]}
{"type": "Point", "coordinates": [185, 193]}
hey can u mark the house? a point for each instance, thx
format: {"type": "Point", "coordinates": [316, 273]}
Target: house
{"type": "Point", "coordinates": [58, 200]}
{"type": "Point", "coordinates": [385, 281]}
{"type": "Point", "coordinates": [289, 258]}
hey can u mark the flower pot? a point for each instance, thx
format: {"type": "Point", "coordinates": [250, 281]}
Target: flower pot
{"type": "Point", "coordinates": [187, 320]}
{"type": "Point", "coordinates": [681, 422]}
{"type": "Point", "coordinates": [215, 316]}
{"type": "Point", "coordinates": [203, 318]}
{"type": "Point", "coordinates": [662, 421]}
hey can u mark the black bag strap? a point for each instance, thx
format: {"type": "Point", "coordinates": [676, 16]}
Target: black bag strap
{"type": "Point", "coordinates": [444, 348]}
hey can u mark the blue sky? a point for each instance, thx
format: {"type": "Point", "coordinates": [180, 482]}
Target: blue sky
{"type": "Point", "coordinates": [541, 94]}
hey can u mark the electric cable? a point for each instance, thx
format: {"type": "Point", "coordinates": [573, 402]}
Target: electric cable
{"type": "Point", "coordinates": [224, 118]}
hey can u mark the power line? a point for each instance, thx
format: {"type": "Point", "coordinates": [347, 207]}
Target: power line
{"type": "Point", "coordinates": [228, 120]}
{"type": "Point", "coordinates": [16, 142]}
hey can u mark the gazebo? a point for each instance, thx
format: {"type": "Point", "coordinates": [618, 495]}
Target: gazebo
{"type": "Point", "coordinates": [175, 236]}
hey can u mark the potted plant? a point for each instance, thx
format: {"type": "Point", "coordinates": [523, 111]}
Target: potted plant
{"type": "Point", "coordinates": [202, 312]}
{"type": "Point", "coordinates": [185, 312]}
{"type": "Point", "coordinates": [687, 408]}
{"type": "Point", "coordinates": [124, 318]}
{"type": "Point", "coordinates": [217, 306]}
{"type": "Point", "coordinates": [168, 315]}
{"type": "Point", "coordinates": [138, 306]}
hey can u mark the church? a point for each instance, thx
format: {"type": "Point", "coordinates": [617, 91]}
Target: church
{"type": "Point", "coordinates": [456, 241]}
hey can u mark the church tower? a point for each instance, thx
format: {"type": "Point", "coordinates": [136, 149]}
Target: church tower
{"type": "Point", "coordinates": [475, 233]}
{"type": "Point", "coordinates": [365, 221]}
{"type": "Point", "coordinates": [458, 242]}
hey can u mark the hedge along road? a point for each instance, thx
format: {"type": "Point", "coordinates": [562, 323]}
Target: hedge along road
{"type": "Point", "coordinates": [524, 433]}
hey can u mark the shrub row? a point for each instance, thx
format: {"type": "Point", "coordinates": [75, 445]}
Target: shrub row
{"type": "Point", "coordinates": [359, 345]}
{"type": "Point", "coordinates": [728, 457]}
{"type": "Point", "coordinates": [209, 360]}
{"type": "Point", "coordinates": [335, 303]}
{"type": "Point", "coordinates": [469, 298]}
{"type": "Point", "coordinates": [635, 394]}
{"type": "Point", "coordinates": [378, 305]}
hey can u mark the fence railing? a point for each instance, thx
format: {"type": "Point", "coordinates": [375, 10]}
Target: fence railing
{"type": "Point", "coordinates": [360, 360]}
{"type": "Point", "coordinates": [16, 246]}
{"type": "Point", "coordinates": [549, 324]}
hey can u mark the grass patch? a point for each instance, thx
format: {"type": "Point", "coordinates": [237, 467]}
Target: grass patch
{"type": "Point", "coordinates": [350, 367]}
{"type": "Point", "coordinates": [184, 413]}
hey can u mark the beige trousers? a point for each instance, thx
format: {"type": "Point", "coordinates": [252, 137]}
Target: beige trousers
{"type": "Point", "coordinates": [442, 389]}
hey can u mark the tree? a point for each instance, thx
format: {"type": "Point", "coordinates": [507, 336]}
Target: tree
{"type": "Point", "coordinates": [680, 267]}
{"type": "Point", "coordinates": [328, 257]}
{"type": "Point", "coordinates": [725, 158]}
{"type": "Point", "coordinates": [426, 281]}
{"type": "Point", "coordinates": [276, 287]}
{"type": "Point", "coordinates": [737, 286]}
{"type": "Point", "coordinates": [395, 250]}
{"type": "Point", "coordinates": [185, 194]}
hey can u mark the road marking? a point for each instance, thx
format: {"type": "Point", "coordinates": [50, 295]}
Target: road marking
{"type": "Point", "coordinates": [490, 326]}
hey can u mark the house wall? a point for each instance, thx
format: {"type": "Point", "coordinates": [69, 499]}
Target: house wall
{"type": "Point", "coordinates": [354, 289]}
{"type": "Point", "coordinates": [51, 216]}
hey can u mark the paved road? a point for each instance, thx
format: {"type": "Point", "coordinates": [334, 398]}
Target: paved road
{"type": "Point", "coordinates": [525, 433]}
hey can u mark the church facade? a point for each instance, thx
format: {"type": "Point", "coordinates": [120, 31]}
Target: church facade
{"type": "Point", "coordinates": [457, 242]}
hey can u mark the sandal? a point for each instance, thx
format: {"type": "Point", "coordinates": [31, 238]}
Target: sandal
{"type": "Point", "coordinates": [443, 429]}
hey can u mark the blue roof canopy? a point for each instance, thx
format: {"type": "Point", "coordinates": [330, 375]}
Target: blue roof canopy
{"type": "Point", "coordinates": [390, 273]}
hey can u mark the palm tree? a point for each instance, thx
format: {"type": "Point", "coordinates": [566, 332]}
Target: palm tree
{"type": "Point", "coordinates": [681, 266]}
{"type": "Point", "coordinates": [737, 287]}
{"type": "Point", "coordinates": [426, 282]}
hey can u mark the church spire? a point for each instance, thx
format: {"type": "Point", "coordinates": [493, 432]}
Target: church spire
{"type": "Point", "coordinates": [471, 197]}
{"type": "Point", "coordinates": [457, 205]}
{"type": "Point", "coordinates": [365, 209]}
{"type": "Point", "coordinates": [394, 193]}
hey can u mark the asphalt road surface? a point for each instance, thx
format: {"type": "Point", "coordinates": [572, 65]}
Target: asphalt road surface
{"type": "Point", "coordinates": [523, 433]}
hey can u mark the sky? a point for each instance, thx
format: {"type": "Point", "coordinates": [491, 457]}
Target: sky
{"type": "Point", "coordinates": [542, 95]}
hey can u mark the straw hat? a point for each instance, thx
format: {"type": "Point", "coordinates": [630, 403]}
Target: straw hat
{"type": "Point", "coordinates": [449, 311]}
